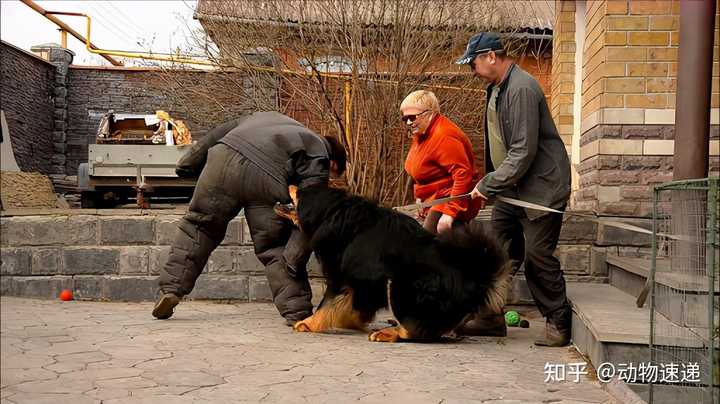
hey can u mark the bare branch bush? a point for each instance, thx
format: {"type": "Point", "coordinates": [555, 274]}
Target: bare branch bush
{"type": "Point", "coordinates": [342, 67]}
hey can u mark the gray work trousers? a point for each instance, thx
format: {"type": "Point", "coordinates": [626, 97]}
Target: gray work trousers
{"type": "Point", "coordinates": [228, 183]}
{"type": "Point", "coordinates": [431, 221]}
{"type": "Point", "coordinates": [534, 242]}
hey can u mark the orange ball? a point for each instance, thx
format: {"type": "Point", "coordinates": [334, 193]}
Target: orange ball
{"type": "Point", "coordinates": [66, 295]}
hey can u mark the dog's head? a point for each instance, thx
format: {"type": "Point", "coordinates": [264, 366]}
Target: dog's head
{"type": "Point", "coordinates": [317, 205]}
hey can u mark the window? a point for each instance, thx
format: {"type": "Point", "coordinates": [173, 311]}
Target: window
{"type": "Point", "coordinates": [332, 64]}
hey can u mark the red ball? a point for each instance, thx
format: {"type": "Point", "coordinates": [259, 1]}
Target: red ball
{"type": "Point", "coordinates": [66, 295]}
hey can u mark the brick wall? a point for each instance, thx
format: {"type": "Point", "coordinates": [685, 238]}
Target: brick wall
{"type": "Point", "coordinates": [26, 96]}
{"type": "Point", "coordinates": [628, 104]}
{"type": "Point", "coordinates": [563, 69]}
{"type": "Point", "coordinates": [540, 67]}
{"type": "Point", "coordinates": [630, 62]}
{"type": "Point", "coordinates": [202, 99]}
{"type": "Point", "coordinates": [641, 42]}
{"type": "Point", "coordinates": [594, 55]}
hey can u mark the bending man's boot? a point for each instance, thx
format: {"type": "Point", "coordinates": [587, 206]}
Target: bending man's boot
{"type": "Point", "coordinates": [484, 323]}
{"type": "Point", "coordinates": [291, 292]}
{"type": "Point", "coordinates": [293, 318]}
{"type": "Point", "coordinates": [165, 306]}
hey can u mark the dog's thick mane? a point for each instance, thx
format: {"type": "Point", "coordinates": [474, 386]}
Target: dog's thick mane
{"type": "Point", "coordinates": [337, 222]}
{"type": "Point", "coordinates": [348, 215]}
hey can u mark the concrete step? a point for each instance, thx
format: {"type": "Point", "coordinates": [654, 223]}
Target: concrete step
{"type": "Point", "coordinates": [626, 274]}
{"type": "Point", "coordinates": [608, 327]}
{"type": "Point", "coordinates": [672, 394]}
{"type": "Point", "coordinates": [681, 297]}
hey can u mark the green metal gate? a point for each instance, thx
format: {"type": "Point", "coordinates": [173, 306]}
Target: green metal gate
{"type": "Point", "coordinates": [684, 302]}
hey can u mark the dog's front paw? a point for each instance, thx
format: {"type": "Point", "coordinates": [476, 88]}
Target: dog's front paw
{"type": "Point", "coordinates": [302, 326]}
{"type": "Point", "coordinates": [389, 334]}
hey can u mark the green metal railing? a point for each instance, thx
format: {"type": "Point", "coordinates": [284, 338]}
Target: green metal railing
{"type": "Point", "coordinates": [684, 320]}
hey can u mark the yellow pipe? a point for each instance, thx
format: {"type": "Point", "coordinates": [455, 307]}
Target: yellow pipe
{"type": "Point", "coordinates": [348, 111]}
{"type": "Point", "coordinates": [181, 59]}
{"type": "Point", "coordinates": [64, 26]}
{"type": "Point", "coordinates": [63, 38]}
{"type": "Point", "coordinates": [139, 55]}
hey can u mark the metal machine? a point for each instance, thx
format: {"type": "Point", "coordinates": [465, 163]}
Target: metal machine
{"type": "Point", "coordinates": [134, 157]}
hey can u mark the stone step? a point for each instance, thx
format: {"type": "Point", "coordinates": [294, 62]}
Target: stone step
{"type": "Point", "coordinates": [624, 270]}
{"type": "Point", "coordinates": [682, 297]}
{"type": "Point", "coordinates": [672, 394]}
{"type": "Point", "coordinates": [609, 327]}
{"type": "Point", "coordinates": [628, 274]}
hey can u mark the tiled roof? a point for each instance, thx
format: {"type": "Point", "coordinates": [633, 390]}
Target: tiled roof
{"type": "Point", "coordinates": [501, 15]}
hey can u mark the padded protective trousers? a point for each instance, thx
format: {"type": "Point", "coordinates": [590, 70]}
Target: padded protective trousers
{"type": "Point", "coordinates": [228, 183]}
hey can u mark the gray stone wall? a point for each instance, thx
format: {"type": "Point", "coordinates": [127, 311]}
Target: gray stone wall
{"type": "Point", "coordinates": [53, 111]}
{"type": "Point", "coordinates": [26, 96]}
{"type": "Point", "coordinates": [201, 99]}
{"type": "Point", "coordinates": [106, 255]}
{"type": "Point", "coordinates": [114, 257]}
{"type": "Point", "coordinates": [61, 58]}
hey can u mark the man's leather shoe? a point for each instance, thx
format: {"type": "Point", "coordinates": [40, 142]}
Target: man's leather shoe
{"type": "Point", "coordinates": [165, 306]}
{"type": "Point", "coordinates": [554, 336]}
{"type": "Point", "coordinates": [486, 325]}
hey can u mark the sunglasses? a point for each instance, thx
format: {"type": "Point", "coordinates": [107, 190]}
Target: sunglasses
{"type": "Point", "coordinates": [410, 118]}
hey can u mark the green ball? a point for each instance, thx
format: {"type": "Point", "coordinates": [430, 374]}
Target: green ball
{"type": "Point", "coordinates": [512, 318]}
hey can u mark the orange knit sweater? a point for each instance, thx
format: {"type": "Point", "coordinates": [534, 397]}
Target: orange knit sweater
{"type": "Point", "coordinates": [441, 164]}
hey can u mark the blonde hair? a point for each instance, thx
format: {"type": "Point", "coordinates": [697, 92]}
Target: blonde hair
{"type": "Point", "coordinates": [422, 99]}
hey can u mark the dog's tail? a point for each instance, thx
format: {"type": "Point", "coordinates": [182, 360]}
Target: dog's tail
{"type": "Point", "coordinates": [473, 250]}
{"type": "Point", "coordinates": [497, 294]}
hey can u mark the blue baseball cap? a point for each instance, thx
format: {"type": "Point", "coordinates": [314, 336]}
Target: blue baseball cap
{"type": "Point", "coordinates": [479, 44]}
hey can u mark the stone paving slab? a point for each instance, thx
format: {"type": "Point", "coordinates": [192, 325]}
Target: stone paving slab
{"type": "Point", "coordinates": [90, 352]}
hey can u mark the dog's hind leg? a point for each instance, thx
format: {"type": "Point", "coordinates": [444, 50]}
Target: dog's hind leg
{"type": "Point", "coordinates": [336, 312]}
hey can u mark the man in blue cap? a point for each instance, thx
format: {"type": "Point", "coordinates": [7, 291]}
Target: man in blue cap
{"type": "Point", "coordinates": [525, 159]}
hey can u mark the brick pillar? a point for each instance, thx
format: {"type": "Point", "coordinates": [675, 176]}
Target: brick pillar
{"type": "Point", "coordinates": [61, 58]}
{"type": "Point", "coordinates": [563, 69]}
{"type": "Point", "coordinates": [563, 75]}
{"type": "Point", "coordinates": [628, 105]}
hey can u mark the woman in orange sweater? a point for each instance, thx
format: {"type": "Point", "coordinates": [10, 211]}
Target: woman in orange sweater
{"type": "Point", "coordinates": [440, 162]}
